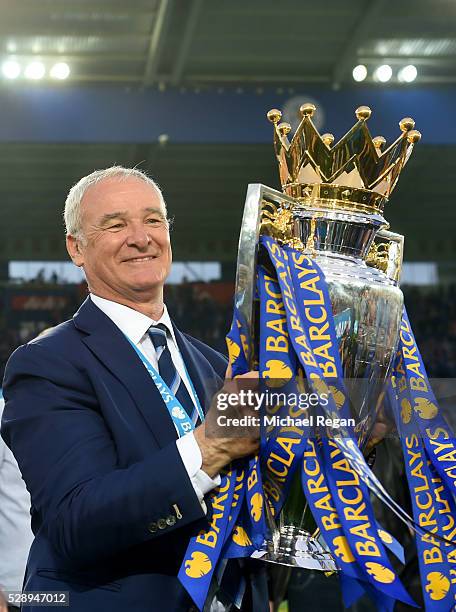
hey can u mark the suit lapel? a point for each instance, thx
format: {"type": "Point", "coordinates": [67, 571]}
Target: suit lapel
{"type": "Point", "coordinates": [112, 348]}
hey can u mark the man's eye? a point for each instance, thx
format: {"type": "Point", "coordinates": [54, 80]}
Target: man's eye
{"type": "Point", "coordinates": [115, 226]}
{"type": "Point", "coordinates": [154, 221]}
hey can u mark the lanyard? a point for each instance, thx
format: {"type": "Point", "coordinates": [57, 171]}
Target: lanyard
{"type": "Point", "coordinates": [224, 502]}
{"type": "Point", "coordinates": [178, 414]}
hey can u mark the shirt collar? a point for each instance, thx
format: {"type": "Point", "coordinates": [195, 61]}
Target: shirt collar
{"type": "Point", "coordinates": [132, 323]}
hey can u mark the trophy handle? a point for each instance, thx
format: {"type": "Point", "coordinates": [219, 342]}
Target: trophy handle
{"type": "Point", "coordinates": [386, 254]}
{"type": "Point", "coordinates": [261, 203]}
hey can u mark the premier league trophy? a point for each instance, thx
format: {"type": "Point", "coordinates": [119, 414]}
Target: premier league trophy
{"type": "Point", "coordinates": [331, 210]}
{"type": "Point", "coordinates": [319, 314]}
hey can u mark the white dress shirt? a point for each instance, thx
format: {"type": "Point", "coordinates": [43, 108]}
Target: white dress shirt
{"type": "Point", "coordinates": [135, 325]}
{"type": "Point", "coordinates": [15, 532]}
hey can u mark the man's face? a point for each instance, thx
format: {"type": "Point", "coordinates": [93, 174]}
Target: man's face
{"type": "Point", "coordinates": [126, 250]}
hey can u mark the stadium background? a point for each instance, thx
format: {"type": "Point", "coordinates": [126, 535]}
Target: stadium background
{"type": "Point", "coordinates": [181, 88]}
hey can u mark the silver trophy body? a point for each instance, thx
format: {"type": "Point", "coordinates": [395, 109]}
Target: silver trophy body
{"type": "Point", "coordinates": [367, 306]}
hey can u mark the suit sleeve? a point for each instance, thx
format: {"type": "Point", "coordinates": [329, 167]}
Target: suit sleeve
{"type": "Point", "coordinates": [88, 506]}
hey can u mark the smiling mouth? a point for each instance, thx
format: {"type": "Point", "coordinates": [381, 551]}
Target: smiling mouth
{"type": "Point", "coordinates": [141, 259]}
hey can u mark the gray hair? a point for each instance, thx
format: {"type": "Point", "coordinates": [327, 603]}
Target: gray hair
{"type": "Point", "coordinates": [72, 213]}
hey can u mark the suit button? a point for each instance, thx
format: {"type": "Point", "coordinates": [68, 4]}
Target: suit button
{"type": "Point", "coordinates": [153, 527]}
{"type": "Point", "coordinates": [171, 520]}
{"type": "Point", "coordinates": [161, 523]}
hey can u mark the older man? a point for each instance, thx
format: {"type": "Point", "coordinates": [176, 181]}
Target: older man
{"type": "Point", "coordinates": [115, 496]}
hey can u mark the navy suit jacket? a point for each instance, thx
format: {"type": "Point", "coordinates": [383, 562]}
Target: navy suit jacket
{"type": "Point", "coordinates": [97, 451]}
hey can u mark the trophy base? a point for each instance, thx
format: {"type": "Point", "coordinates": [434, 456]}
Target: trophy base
{"type": "Point", "coordinates": [295, 547]}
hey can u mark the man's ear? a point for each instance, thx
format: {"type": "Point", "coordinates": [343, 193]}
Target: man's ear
{"type": "Point", "coordinates": [75, 250]}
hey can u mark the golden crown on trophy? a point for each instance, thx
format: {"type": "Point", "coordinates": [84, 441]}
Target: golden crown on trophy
{"type": "Point", "coordinates": [353, 175]}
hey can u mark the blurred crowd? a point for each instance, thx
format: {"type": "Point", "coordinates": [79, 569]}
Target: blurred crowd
{"type": "Point", "coordinates": [15, 331]}
{"type": "Point", "coordinates": [191, 305]}
{"type": "Point", "coordinates": [196, 311]}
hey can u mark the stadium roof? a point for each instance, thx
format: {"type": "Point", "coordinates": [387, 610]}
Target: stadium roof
{"type": "Point", "coordinates": [210, 44]}
{"type": "Point", "coordinates": [206, 42]}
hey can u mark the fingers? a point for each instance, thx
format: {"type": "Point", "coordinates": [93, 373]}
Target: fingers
{"type": "Point", "coordinates": [240, 383]}
{"type": "Point", "coordinates": [251, 374]}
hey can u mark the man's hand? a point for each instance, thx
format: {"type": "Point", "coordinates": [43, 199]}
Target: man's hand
{"type": "Point", "coordinates": [218, 450]}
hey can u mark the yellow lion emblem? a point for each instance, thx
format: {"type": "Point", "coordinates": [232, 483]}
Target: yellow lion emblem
{"type": "Point", "coordinates": [425, 408]}
{"type": "Point", "coordinates": [385, 536]}
{"type": "Point", "coordinates": [437, 585]}
{"type": "Point", "coordinates": [234, 350]}
{"type": "Point", "coordinates": [338, 396]}
{"type": "Point", "coordinates": [277, 373]}
{"type": "Point", "coordinates": [380, 573]}
{"type": "Point", "coordinates": [199, 565]}
{"type": "Point", "coordinates": [256, 506]}
{"type": "Point", "coordinates": [240, 536]}
{"type": "Point", "coordinates": [342, 549]}
{"type": "Point", "coordinates": [406, 411]}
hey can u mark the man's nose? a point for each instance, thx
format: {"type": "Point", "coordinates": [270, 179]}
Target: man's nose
{"type": "Point", "coordinates": [138, 237]}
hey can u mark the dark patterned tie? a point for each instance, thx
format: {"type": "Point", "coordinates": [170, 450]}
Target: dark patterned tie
{"type": "Point", "coordinates": [168, 371]}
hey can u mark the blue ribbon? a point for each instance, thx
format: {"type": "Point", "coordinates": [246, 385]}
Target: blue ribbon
{"type": "Point", "coordinates": [302, 286]}
{"type": "Point", "coordinates": [203, 552]}
{"type": "Point", "coordinates": [284, 447]}
{"type": "Point", "coordinates": [345, 443]}
{"type": "Point", "coordinates": [438, 438]}
{"type": "Point", "coordinates": [432, 499]}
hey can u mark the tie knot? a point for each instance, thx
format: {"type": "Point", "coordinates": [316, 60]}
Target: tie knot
{"type": "Point", "coordinates": [157, 334]}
